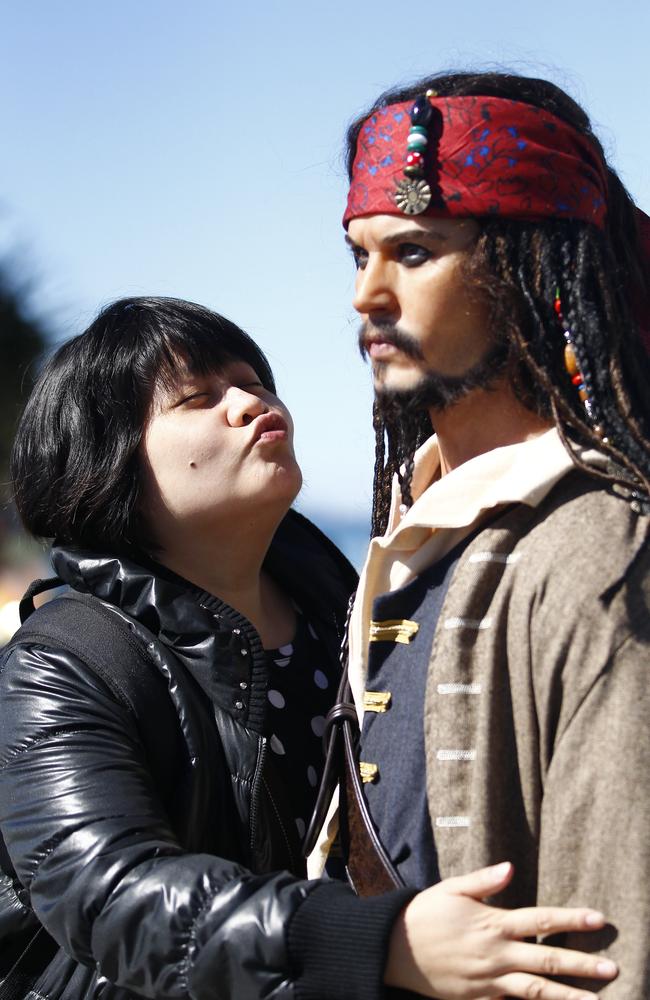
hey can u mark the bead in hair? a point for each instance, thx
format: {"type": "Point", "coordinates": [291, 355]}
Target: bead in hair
{"type": "Point", "coordinates": [573, 368]}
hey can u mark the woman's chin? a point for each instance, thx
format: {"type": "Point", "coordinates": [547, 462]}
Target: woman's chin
{"type": "Point", "coordinates": [286, 481]}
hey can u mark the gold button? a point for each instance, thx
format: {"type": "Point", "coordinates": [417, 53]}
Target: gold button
{"type": "Point", "coordinates": [368, 772]}
{"type": "Point", "coordinates": [394, 630]}
{"type": "Point", "coordinates": [377, 701]}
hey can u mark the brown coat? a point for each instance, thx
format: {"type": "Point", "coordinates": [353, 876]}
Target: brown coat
{"type": "Point", "coordinates": [537, 715]}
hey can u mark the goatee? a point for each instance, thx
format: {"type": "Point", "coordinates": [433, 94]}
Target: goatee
{"type": "Point", "coordinates": [434, 390]}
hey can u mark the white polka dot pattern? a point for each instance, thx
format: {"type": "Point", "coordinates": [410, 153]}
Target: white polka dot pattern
{"type": "Point", "coordinates": [318, 725]}
{"type": "Point", "coordinates": [302, 681]}
{"type": "Point", "coordinates": [276, 699]}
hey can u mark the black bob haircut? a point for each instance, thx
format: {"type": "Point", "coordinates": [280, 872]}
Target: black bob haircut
{"type": "Point", "coordinates": [75, 464]}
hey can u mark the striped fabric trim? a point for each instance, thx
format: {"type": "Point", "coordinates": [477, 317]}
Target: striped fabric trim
{"type": "Point", "coordinates": [459, 688]}
{"type": "Point", "coordinates": [473, 623]}
{"type": "Point", "coordinates": [453, 821]}
{"type": "Point", "coordinates": [456, 755]}
{"type": "Point", "coordinates": [499, 557]}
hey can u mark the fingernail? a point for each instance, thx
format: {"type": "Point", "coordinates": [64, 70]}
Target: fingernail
{"type": "Point", "coordinates": [595, 919]}
{"type": "Point", "coordinates": [606, 968]}
{"type": "Point", "coordinates": [502, 869]}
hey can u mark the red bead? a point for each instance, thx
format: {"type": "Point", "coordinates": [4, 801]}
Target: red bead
{"type": "Point", "coordinates": [557, 305]}
{"type": "Point", "coordinates": [577, 379]}
{"type": "Point", "coordinates": [414, 159]}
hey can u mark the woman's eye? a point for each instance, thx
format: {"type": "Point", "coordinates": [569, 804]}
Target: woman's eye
{"type": "Point", "coordinates": [191, 397]}
{"type": "Point", "coordinates": [411, 254]}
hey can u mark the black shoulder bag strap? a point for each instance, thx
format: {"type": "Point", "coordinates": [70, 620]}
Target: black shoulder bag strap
{"type": "Point", "coordinates": [369, 868]}
{"type": "Point", "coordinates": [82, 625]}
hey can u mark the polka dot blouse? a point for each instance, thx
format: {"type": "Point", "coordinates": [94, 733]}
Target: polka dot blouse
{"type": "Point", "coordinates": [302, 688]}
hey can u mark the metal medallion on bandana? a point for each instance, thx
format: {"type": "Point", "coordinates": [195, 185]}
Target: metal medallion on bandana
{"type": "Point", "coordinates": [412, 195]}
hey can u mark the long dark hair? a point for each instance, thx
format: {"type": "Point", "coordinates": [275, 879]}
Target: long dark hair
{"type": "Point", "coordinates": [517, 268]}
{"type": "Point", "coordinates": [75, 464]}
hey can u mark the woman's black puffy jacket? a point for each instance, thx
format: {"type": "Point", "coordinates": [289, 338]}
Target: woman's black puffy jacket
{"type": "Point", "coordinates": [175, 877]}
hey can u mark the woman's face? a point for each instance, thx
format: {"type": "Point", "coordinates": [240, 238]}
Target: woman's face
{"type": "Point", "coordinates": [216, 447]}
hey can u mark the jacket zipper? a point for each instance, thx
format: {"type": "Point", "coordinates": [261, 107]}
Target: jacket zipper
{"type": "Point", "coordinates": [292, 860]}
{"type": "Point", "coordinates": [256, 789]}
{"type": "Point", "coordinates": [259, 784]}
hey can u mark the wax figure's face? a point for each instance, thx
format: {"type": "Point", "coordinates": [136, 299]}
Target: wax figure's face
{"type": "Point", "coordinates": [419, 314]}
{"type": "Point", "coordinates": [215, 447]}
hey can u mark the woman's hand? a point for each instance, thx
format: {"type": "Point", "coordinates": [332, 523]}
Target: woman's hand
{"type": "Point", "coordinates": [449, 945]}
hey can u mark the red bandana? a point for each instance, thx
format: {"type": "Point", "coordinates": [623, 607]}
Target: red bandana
{"type": "Point", "coordinates": [489, 156]}
{"type": "Point", "coordinates": [492, 157]}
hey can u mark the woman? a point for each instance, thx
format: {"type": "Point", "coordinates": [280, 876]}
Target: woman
{"type": "Point", "coordinates": [161, 850]}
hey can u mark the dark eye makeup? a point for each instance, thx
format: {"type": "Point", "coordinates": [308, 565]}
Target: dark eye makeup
{"type": "Point", "coordinates": [359, 256]}
{"type": "Point", "coordinates": [412, 254]}
{"type": "Point", "coordinates": [409, 254]}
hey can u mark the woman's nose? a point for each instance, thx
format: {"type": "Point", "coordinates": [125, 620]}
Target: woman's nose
{"type": "Point", "coordinates": [242, 406]}
{"type": "Point", "coordinates": [373, 291]}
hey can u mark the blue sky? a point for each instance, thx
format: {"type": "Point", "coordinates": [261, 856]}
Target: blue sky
{"type": "Point", "coordinates": [195, 150]}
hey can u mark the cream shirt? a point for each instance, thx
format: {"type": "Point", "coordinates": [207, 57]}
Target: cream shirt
{"type": "Point", "coordinates": [445, 510]}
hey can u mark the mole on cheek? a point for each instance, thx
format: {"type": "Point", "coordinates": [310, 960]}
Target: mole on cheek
{"type": "Point", "coordinates": [192, 465]}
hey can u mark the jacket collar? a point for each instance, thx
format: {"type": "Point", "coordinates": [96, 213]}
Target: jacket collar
{"type": "Point", "coordinates": [217, 644]}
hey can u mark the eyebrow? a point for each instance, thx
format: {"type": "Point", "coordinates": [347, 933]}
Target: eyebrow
{"type": "Point", "coordinates": [406, 236]}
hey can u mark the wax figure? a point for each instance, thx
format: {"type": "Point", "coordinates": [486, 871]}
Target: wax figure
{"type": "Point", "coordinates": [154, 785]}
{"type": "Point", "coordinates": [500, 639]}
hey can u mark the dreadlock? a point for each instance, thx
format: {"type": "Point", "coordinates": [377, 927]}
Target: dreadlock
{"type": "Point", "coordinates": [518, 267]}
{"type": "Point", "coordinates": [403, 433]}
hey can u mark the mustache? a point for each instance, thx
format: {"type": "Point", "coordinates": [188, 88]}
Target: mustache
{"type": "Point", "coordinates": [436, 391]}
{"type": "Point", "coordinates": [390, 334]}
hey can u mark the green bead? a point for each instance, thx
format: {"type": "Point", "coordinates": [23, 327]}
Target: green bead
{"type": "Point", "coordinates": [416, 142]}
{"type": "Point", "coordinates": [419, 129]}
